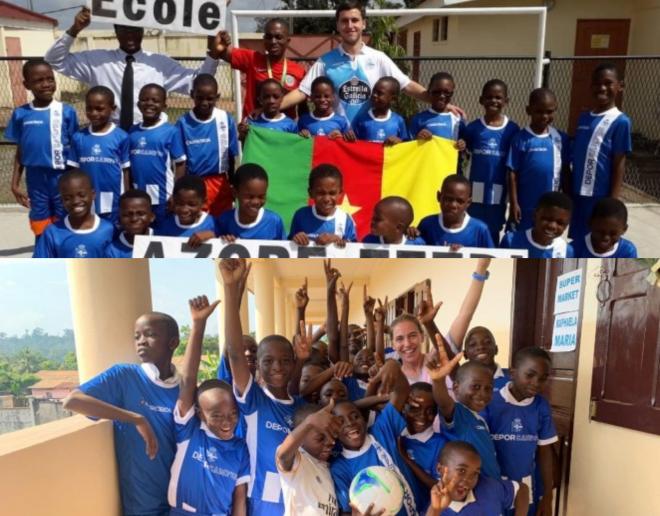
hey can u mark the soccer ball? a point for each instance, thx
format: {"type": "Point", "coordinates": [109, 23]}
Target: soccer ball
{"type": "Point", "coordinates": [377, 485]}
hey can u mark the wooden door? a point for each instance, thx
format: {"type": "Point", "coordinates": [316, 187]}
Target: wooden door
{"type": "Point", "coordinates": [417, 48]}
{"type": "Point", "coordinates": [533, 317]}
{"type": "Point", "coordinates": [18, 93]}
{"type": "Point", "coordinates": [595, 38]}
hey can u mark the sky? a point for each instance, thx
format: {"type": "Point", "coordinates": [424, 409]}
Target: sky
{"type": "Point", "coordinates": [34, 293]}
{"type": "Point", "coordinates": [67, 9]}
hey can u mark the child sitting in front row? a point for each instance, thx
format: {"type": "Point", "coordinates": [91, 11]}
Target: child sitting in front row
{"type": "Point", "coordinates": [464, 491]}
{"type": "Point", "coordinates": [250, 219]}
{"type": "Point", "coordinates": [380, 124]}
{"type": "Point", "coordinates": [324, 222]}
{"type": "Point", "coordinates": [81, 234]}
{"type": "Point", "coordinates": [269, 95]}
{"type": "Point", "coordinates": [390, 222]}
{"type": "Point", "coordinates": [212, 466]}
{"type": "Point", "coordinates": [135, 218]}
{"type": "Point", "coordinates": [453, 226]}
{"type": "Point", "coordinates": [544, 240]}
{"type": "Point", "coordinates": [609, 221]}
{"type": "Point", "coordinates": [323, 121]}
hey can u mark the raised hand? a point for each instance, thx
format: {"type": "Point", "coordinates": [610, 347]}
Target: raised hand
{"type": "Point", "coordinates": [201, 309]}
{"type": "Point", "coordinates": [302, 343]}
{"type": "Point", "coordinates": [301, 296]}
{"type": "Point", "coordinates": [146, 432]}
{"type": "Point", "coordinates": [326, 422]}
{"type": "Point", "coordinates": [368, 303]}
{"type": "Point", "coordinates": [234, 271]}
{"type": "Point", "coordinates": [331, 274]}
{"type": "Point", "coordinates": [343, 292]}
{"type": "Point", "coordinates": [438, 364]}
{"type": "Point", "coordinates": [426, 311]}
{"type": "Point", "coordinates": [441, 492]}
{"type": "Point", "coordinates": [217, 45]}
{"type": "Point", "coordinates": [374, 369]}
{"type": "Point", "coordinates": [380, 313]}
{"type": "Point", "coordinates": [81, 21]}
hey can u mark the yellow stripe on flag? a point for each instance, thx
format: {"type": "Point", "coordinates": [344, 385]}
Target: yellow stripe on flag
{"type": "Point", "coordinates": [415, 170]}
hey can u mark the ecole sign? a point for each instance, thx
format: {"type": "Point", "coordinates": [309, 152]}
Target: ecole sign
{"type": "Point", "coordinates": [196, 16]}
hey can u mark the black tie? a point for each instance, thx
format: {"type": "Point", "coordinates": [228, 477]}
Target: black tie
{"type": "Point", "coordinates": [127, 104]}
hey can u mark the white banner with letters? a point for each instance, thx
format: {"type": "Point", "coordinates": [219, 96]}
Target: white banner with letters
{"type": "Point", "coordinates": [195, 16]}
{"type": "Point", "coordinates": [177, 247]}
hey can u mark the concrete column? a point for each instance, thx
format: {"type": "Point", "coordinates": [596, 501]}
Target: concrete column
{"type": "Point", "coordinates": [262, 271]}
{"type": "Point", "coordinates": [289, 316]}
{"type": "Point", "coordinates": [107, 296]}
{"type": "Point", "coordinates": [220, 311]}
{"type": "Point", "coordinates": [279, 305]}
{"type": "Point", "coordinates": [245, 318]}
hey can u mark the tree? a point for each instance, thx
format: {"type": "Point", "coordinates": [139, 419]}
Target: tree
{"type": "Point", "coordinates": [70, 362]}
{"type": "Point", "coordinates": [14, 381]}
{"type": "Point", "coordinates": [306, 25]}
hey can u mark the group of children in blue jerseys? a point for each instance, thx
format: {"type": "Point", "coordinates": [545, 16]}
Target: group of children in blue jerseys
{"type": "Point", "coordinates": [287, 425]}
{"type": "Point", "coordinates": [91, 190]}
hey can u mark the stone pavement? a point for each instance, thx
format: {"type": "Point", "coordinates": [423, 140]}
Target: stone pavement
{"type": "Point", "coordinates": [16, 239]}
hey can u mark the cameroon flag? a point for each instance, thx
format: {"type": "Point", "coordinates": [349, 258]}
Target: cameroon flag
{"type": "Point", "coordinates": [413, 170]}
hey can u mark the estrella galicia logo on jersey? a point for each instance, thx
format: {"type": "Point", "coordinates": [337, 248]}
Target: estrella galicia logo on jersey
{"type": "Point", "coordinates": [516, 425]}
{"type": "Point", "coordinates": [142, 142]}
{"type": "Point", "coordinates": [211, 454]}
{"type": "Point", "coordinates": [354, 91]}
{"type": "Point", "coordinates": [96, 149]}
{"type": "Point", "coordinates": [80, 251]}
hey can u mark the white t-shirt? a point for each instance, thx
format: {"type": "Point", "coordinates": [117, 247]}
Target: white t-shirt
{"type": "Point", "coordinates": [308, 488]}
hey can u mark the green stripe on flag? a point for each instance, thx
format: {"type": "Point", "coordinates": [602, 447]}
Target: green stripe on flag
{"type": "Point", "coordinates": [287, 158]}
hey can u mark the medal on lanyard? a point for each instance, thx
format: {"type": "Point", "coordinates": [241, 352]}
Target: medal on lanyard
{"type": "Point", "coordinates": [270, 71]}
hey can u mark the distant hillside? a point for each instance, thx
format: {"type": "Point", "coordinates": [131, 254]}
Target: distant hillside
{"type": "Point", "coordinates": [53, 347]}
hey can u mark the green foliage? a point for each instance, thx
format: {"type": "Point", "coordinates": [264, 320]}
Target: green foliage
{"type": "Point", "coordinates": [209, 368]}
{"type": "Point", "coordinates": [209, 344]}
{"type": "Point", "coordinates": [14, 380]}
{"type": "Point", "coordinates": [51, 347]}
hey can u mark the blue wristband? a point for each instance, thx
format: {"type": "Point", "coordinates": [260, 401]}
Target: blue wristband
{"type": "Point", "coordinates": [481, 277]}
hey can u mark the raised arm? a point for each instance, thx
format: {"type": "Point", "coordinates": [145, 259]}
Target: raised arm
{"type": "Point", "coordinates": [332, 322]}
{"type": "Point", "coordinates": [219, 46]}
{"type": "Point", "coordinates": [234, 272]}
{"type": "Point", "coordinates": [439, 369]}
{"type": "Point", "coordinates": [393, 382]}
{"type": "Point", "coordinates": [380, 314]}
{"type": "Point", "coordinates": [302, 299]}
{"type": "Point", "coordinates": [200, 310]}
{"type": "Point", "coordinates": [369, 303]}
{"type": "Point", "coordinates": [302, 347]}
{"type": "Point", "coordinates": [59, 55]}
{"type": "Point", "coordinates": [344, 294]}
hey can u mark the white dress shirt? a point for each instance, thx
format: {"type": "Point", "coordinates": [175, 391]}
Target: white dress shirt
{"type": "Point", "coordinates": [106, 68]}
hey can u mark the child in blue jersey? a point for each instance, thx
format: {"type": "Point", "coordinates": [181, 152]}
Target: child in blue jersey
{"type": "Point", "coordinates": [544, 239]}
{"type": "Point", "coordinates": [140, 399]}
{"type": "Point", "coordinates": [378, 447]}
{"type": "Point", "coordinates": [323, 121]}
{"type": "Point", "coordinates": [156, 149]}
{"type": "Point", "coordinates": [250, 219]}
{"type": "Point", "coordinates": [102, 151]}
{"type": "Point", "coordinates": [269, 95]}
{"type": "Point", "coordinates": [460, 419]}
{"type": "Point", "coordinates": [210, 139]}
{"type": "Point", "coordinates": [211, 468]}
{"type": "Point", "coordinates": [380, 124]}
{"type": "Point", "coordinates": [480, 346]}
{"type": "Point", "coordinates": [538, 159]}
{"type": "Point", "coordinates": [602, 142]}
{"type": "Point", "coordinates": [82, 233]}
{"type": "Point", "coordinates": [608, 223]}
{"type": "Point", "coordinates": [135, 218]}
{"type": "Point", "coordinates": [188, 218]}
{"type": "Point", "coordinates": [464, 491]}
{"type": "Point", "coordinates": [488, 140]}
{"type": "Point", "coordinates": [420, 443]}
{"type": "Point", "coordinates": [42, 131]}
{"type": "Point", "coordinates": [454, 227]}
{"type": "Point", "coordinates": [324, 222]}
{"type": "Point", "coordinates": [390, 223]}
{"type": "Point", "coordinates": [520, 422]}
{"type": "Point", "coordinates": [438, 120]}
{"type": "Point", "coordinates": [267, 406]}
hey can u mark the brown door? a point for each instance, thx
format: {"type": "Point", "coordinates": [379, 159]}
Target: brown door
{"type": "Point", "coordinates": [595, 38]}
{"type": "Point", "coordinates": [13, 46]}
{"type": "Point", "coordinates": [533, 305]}
{"type": "Point", "coordinates": [417, 48]}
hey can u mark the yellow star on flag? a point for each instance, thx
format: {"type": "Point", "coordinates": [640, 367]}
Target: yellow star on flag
{"type": "Point", "coordinates": [348, 207]}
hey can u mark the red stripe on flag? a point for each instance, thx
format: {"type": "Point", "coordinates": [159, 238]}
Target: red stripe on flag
{"type": "Point", "coordinates": [361, 165]}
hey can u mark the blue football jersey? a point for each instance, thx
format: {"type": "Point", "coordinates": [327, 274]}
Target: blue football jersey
{"type": "Point", "coordinates": [471, 427]}
{"type": "Point", "coordinates": [445, 125]}
{"type": "Point", "coordinates": [379, 449]}
{"type": "Point", "coordinates": [598, 139]}
{"type": "Point", "coordinates": [120, 247]}
{"type": "Point", "coordinates": [143, 482]}
{"type": "Point", "coordinates": [373, 239]}
{"type": "Point", "coordinates": [356, 387]}
{"type": "Point", "coordinates": [153, 150]}
{"type": "Point", "coordinates": [269, 420]}
{"type": "Point", "coordinates": [472, 233]}
{"type": "Point", "coordinates": [267, 226]}
{"type": "Point", "coordinates": [537, 160]}
{"type": "Point", "coordinates": [209, 144]}
{"type": "Point", "coordinates": [280, 123]}
{"type": "Point", "coordinates": [622, 249]}
{"type": "Point", "coordinates": [517, 428]}
{"type": "Point", "coordinates": [490, 497]}
{"type": "Point", "coordinates": [60, 240]}
{"type": "Point", "coordinates": [323, 126]}
{"type": "Point", "coordinates": [522, 239]}
{"type": "Point", "coordinates": [170, 226]}
{"type": "Point", "coordinates": [339, 223]}
{"type": "Point", "coordinates": [500, 378]}
{"type": "Point", "coordinates": [369, 128]}
{"type": "Point", "coordinates": [43, 134]}
{"type": "Point", "coordinates": [103, 156]}
{"type": "Point", "coordinates": [206, 469]}
{"type": "Point", "coordinates": [424, 448]}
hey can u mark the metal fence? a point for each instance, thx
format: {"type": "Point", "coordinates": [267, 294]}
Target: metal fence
{"type": "Point", "coordinates": [641, 101]}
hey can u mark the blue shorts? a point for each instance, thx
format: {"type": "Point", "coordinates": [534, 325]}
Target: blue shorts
{"type": "Point", "coordinates": [45, 201]}
{"type": "Point", "coordinates": [582, 209]}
